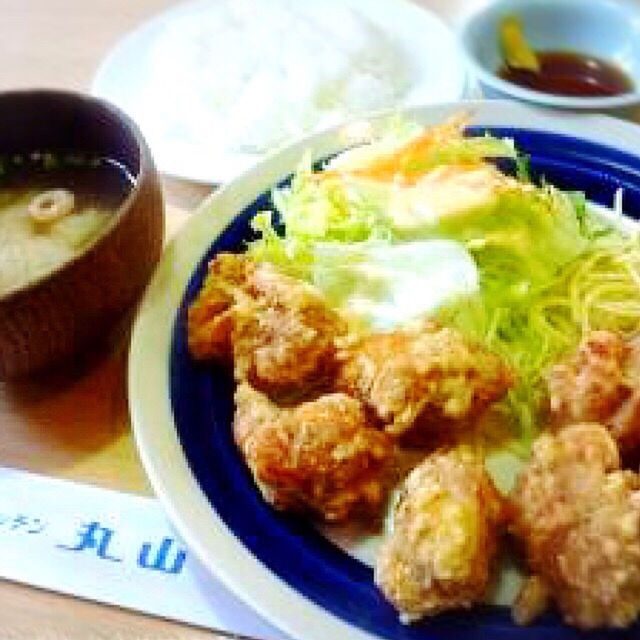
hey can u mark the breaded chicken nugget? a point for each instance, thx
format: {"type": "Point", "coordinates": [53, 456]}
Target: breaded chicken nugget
{"type": "Point", "coordinates": [600, 383]}
{"type": "Point", "coordinates": [422, 376]}
{"type": "Point", "coordinates": [284, 332]}
{"type": "Point", "coordinates": [578, 518]}
{"type": "Point", "coordinates": [210, 317]}
{"type": "Point", "coordinates": [320, 456]}
{"type": "Point", "coordinates": [279, 330]}
{"type": "Point", "coordinates": [445, 531]}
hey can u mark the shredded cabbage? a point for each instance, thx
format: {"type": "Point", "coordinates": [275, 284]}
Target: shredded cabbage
{"type": "Point", "coordinates": [339, 210]}
{"type": "Point", "coordinates": [522, 239]}
{"type": "Point", "coordinates": [339, 205]}
{"type": "Point", "coordinates": [549, 269]}
{"type": "Point", "coordinates": [598, 289]}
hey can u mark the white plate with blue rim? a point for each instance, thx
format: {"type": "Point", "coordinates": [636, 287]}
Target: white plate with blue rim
{"type": "Point", "coordinates": [284, 567]}
{"type": "Point", "coordinates": [172, 73]}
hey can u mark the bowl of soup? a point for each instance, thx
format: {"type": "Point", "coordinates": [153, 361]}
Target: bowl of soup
{"type": "Point", "coordinates": [588, 53]}
{"type": "Point", "coordinates": [81, 225]}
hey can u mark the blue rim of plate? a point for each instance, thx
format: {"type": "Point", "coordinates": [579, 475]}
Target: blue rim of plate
{"type": "Point", "coordinates": [289, 546]}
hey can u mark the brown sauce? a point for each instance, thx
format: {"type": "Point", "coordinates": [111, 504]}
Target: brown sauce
{"type": "Point", "coordinates": [567, 73]}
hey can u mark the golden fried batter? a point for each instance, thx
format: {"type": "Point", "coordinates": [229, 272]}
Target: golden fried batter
{"type": "Point", "coordinates": [210, 317]}
{"type": "Point", "coordinates": [600, 383]}
{"type": "Point", "coordinates": [444, 537]}
{"type": "Point", "coordinates": [578, 517]}
{"type": "Point", "coordinates": [279, 330]}
{"type": "Point", "coordinates": [422, 376]}
{"type": "Point", "coordinates": [320, 456]}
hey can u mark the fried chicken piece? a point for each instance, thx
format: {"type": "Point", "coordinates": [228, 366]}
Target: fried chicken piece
{"type": "Point", "coordinates": [578, 517]}
{"type": "Point", "coordinates": [210, 317]}
{"type": "Point", "coordinates": [444, 537]}
{"type": "Point", "coordinates": [600, 383]}
{"type": "Point", "coordinates": [422, 377]}
{"type": "Point", "coordinates": [531, 602]}
{"type": "Point", "coordinates": [320, 456]}
{"type": "Point", "coordinates": [284, 332]}
{"type": "Point", "coordinates": [279, 330]}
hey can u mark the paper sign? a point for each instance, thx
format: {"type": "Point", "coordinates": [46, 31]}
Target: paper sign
{"type": "Point", "coordinates": [111, 547]}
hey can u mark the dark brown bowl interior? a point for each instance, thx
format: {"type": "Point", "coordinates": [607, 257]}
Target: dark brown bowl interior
{"type": "Point", "coordinates": [73, 308]}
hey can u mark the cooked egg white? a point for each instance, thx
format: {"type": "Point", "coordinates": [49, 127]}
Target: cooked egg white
{"type": "Point", "coordinates": [444, 192]}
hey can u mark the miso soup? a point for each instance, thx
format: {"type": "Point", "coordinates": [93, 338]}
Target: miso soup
{"type": "Point", "coordinates": [52, 206]}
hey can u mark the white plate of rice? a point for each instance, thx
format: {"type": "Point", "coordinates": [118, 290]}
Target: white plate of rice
{"type": "Point", "coordinates": [216, 85]}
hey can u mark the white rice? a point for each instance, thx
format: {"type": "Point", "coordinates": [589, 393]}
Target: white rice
{"type": "Point", "coordinates": [248, 75]}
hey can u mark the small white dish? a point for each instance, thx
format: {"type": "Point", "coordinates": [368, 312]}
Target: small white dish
{"type": "Point", "coordinates": [429, 48]}
{"type": "Point", "coordinates": [607, 29]}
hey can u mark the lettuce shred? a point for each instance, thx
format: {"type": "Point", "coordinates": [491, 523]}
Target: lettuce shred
{"type": "Point", "coordinates": [533, 326]}
{"type": "Point", "coordinates": [549, 269]}
{"type": "Point", "coordinates": [347, 208]}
